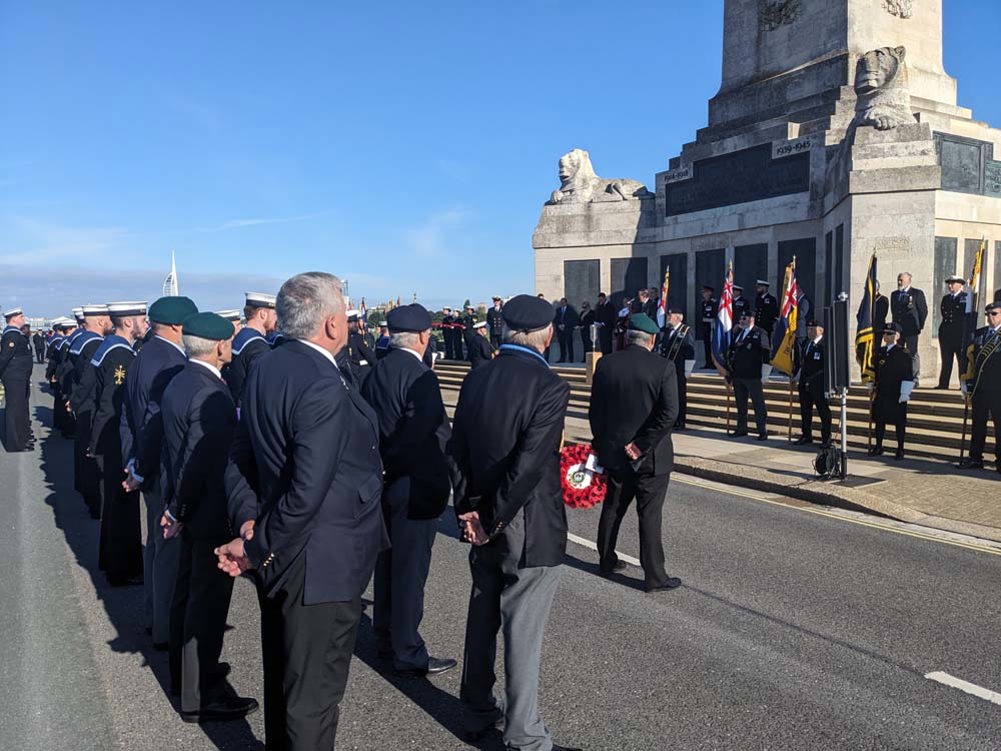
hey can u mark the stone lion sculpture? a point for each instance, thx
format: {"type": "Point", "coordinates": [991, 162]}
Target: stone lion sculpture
{"type": "Point", "coordinates": [884, 99]}
{"type": "Point", "coordinates": [579, 184]}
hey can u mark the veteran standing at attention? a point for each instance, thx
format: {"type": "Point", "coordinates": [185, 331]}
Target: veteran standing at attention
{"type": "Point", "coordinates": [634, 404]}
{"type": "Point", "coordinates": [252, 340]}
{"type": "Point", "coordinates": [304, 484]}
{"type": "Point", "coordinates": [508, 498]}
{"type": "Point", "coordinates": [413, 432]}
{"type": "Point", "coordinates": [749, 364]}
{"type": "Point", "coordinates": [984, 389]}
{"type": "Point", "coordinates": [812, 388]}
{"type": "Point", "coordinates": [15, 374]}
{"type": "Point", "coordinates": [893, 386]}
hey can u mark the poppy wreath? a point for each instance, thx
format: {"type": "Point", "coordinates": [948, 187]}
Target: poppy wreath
{"type": "Point", "coordinates": [582, 487]}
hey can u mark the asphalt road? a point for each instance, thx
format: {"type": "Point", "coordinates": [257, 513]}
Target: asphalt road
{"type": "Point", "coordinates": [793, 630]}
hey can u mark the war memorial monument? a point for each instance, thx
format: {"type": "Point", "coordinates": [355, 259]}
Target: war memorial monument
{"type": "Point", "coordinates": [835, 132]}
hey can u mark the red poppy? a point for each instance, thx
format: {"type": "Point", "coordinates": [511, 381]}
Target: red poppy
{"type": "Point", "coordinates": [582, 487]}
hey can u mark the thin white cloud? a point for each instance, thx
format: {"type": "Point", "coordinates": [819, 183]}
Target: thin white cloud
{"type": "Point", "coordinates": [429, 238]}
{"type": "Point", "coordinates": [44, 242]}
{"type": "Point", "coordinates": [240, 223]}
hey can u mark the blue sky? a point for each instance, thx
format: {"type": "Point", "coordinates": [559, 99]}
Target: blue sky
{"type": "Point", "coordinates": [405, 146]}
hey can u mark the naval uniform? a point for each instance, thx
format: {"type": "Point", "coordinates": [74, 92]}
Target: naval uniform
{"type": "Point", "coordinates": [15, 373]}
{"type": "Point", "coordinates": [749, 358]}
{"type": "Point", "coordinates": [709, 310]}
{"type": "Point", "coordinates": [52, 353]}
{"type": "Point", "coordinates": [361, 354]}
{"type": "Point", "coordinates": [678, 346]}
{"type": "Point", "coordinates": [495, 323]}
{"type": "Point", "coordinates": [38, 340]}
{"type": "Point", "coordinates": [909, 310]}
{"type": "Point", "coordinates": [154, 367]}
{"type": "Point", "coordinates": [81, 399]}
{"type": "Point", "coordinates": [766, 309]}
{"type": "Point", "coordinates": [812, 389]}
{"type": "Point", "coordinates": [248, 345]}
{"type": "Point", "coordinates": [893, 369]}
{"type": "Point", "coordinates": [480, 350]}
{"type": "Point", "coordinates": [951, 332]}
{"type": "Point", "coordinates": [120, 551]}
{"type": "Point", "coordinates": [985, 392]}
{"type": "Point", "coordinates": [740, 306]}
{"type": "Point", "coordinates": [413, 431]}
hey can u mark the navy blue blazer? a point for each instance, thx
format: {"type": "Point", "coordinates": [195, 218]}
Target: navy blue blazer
{"type": "Point", "coordinates": [305, 465]}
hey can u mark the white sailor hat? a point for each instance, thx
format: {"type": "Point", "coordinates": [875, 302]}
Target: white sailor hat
{"type": "Point", "coordinates": [95, 310]}
{"type": "Point", "coordinates": [353, 315]}
{"type": "Point", "coordinates": [135, 308]}
{"type": "Point", "coordinates": [763, 283]}
{"type": "Point", "coordinates": [260, 300]}
{"type": "Point", "coordinates": [230, 315]}
{"type": "Point", "coordinates": [480, 325]}
{"type": "Point", "coordinates": [13, 312]}
{"type": "Point", "coordinates": [77, 313]}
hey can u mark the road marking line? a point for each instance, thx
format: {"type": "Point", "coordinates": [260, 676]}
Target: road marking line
{"type": "Point", "coordinates": [965, 686]}
{"type": "Point", "coordinates": [593, 546]}
{"type": "Point", "coordinates": [841, 517]}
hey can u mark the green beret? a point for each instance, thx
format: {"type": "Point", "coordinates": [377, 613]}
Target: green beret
{"type": "Point", "coordinates": [208, 326]}
{"type": "Point", "coordinates": [643, 322]}
{"type": "Point", "coordinates": [172, 311]}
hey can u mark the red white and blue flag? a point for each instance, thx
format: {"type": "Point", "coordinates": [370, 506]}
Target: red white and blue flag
{"type": "Point", "coordinates": [724, 324]}
{"type": "Point", "coordinates": [662, 303]}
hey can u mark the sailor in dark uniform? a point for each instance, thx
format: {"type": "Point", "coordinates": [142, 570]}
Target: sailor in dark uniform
{"type": "Point", "coordinates": [382, 342]}
{"type": "Point", "coordinates": [741, 304]}
{"type": "Point", "coordinates": [749, 365]}
{"type": "Point", "coordinates": [251, 340]}
{"type": "Point", "coordinates": [38, 342]}
{"type": "Point", "coordinates": [495, 321]}
{"type": "Point", "coordinates": [199, 419]}
{"type": "Point", "coordinates": [480, 350]}
{"type": "Point", "coordinates": [812, 389]}
{"type": "Point", "coordinates": [61, 419]}
{"type": "Point", "coordinates": [51, 353]}
{"type": "Point", "coordinates": [82, 396]}
{"type": "Point", "coordinates": [708, 308]}
{"type": "Point", "coordinates": [160, 359]}
{"type": "Point", "coordinates": [413, 431]}
{"type": "Point", "coordinates": [235, 317]}
{"type": "Point", "coordinates": [447, 334]}
{"type": "Point", "coordinates": [766, 308]}
{"type": "Point", "coordinates": [15, 374]}
{"type": "Point", "coordinates": [120, 547]}
{"type": "Point", "coordinates": [361, 347]}
{"type": "Point", "coordinates": [677, 344]}
{"type": "Point", "coordinates": [952, 330]}
{"type": "Point", "coordinates": [984, 389]}
{"type": "Point", "coordinates": [893, 386]}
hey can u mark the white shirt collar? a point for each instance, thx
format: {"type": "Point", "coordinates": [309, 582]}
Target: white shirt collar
{"type": "Point", "coordinates": [817, 340]}
{"type": "Point", "coordinates": [172, 344]}
{"type": "Point", "coordinates": [208, 366]}
{"type": "Point", "coordinates": [414, 353]}
{"type": "Point", "coordinates": [906, 289]}
{"type": "Point", "coordinates": [319, 349]}
{"type": "Point", "coordinates": [890, 346]}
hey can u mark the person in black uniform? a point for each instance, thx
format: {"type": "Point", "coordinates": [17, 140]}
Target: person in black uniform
{"type": "Point", "coordinates": [235, 317]}
{"type": "Point", "coordinates": [82, 398]}
{"type": "Point", "coordinates": [587, 319]}
{"type": "Point", "coordinates": [909, 310]}
{"type": "Point", "coordinates": [749, 363]}
{"type": "Point", "coordinates": [38, 342]}
{"type": "Point", "coordinates": [160, 359]}
{"type": "Point", "coordinates": [467, 321]}
{"type": "Point", "coordinates": [566, 322]}
{"type": "Point", "coordinates": [740, 303]}
{"type": "Point", "coordinates": [120, 546]}
{"type": "Point", "coordinates": [634, 404]}
{"type": "Point", "coordinates": [361, 347]}
{"type": "Point", "coordinates": [952, 330]}
{"type": "Point", "coordinates": [480, 350]}
{"type": "Point", "coordinates": [250, 341]}
{"type": "Point", "coordinates": [382, 342]}
{"type": "Point", "coordinates": [677, 344]}
{"type": "Point", "coordinates": [495, 320]}
{"type": "Point", "coordinates": [504, 456]}
{"type": "Point", "coordinates": [15, 374]}
{"type": "Point", "coordinates": [766, 308]}
{"type": "Point", "coordinates": [605, 316]}
{"type": "Point", "coordinates": [812, 389]}
{"type": "Point", "coordinates": [708, 307]}
{"type": "Point", "coordinates": [984, 389]}
{"type": "Point", "coordinates": [892, 390]}
{"type": "Point", "coordinates": [65, 327]}
{"type": "Point", "coordinates": [304, 483]}
{"type": "Point", "coordinates": [413, 432]}
{"type": "Point", "coordinates": [199, 419]}
{"type": "Point", "coordinates": [881, 311]}
{"type": "Point", "coordinates": [447, 335]}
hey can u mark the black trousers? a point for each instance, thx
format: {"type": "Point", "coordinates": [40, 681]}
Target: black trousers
{"type": "Point", "coordinates": [307, 650]}
{"type": "Point", "coordinates": [952, 349]}
{"type": "Point", "coordinates": [586, 343]}
{"type": "Point", "coordinates": [120, 555]}
{"type": "Point", "coordinates": [40, 355]}
{"type": "Point", "coordinates": [566, 346]}
{"type": "Point", "coordinates": [17, 422]}
{"type": "Point", "coordinates": [605, 335]}
{"type": "Point", "coordinates": [807, 402]}
{"type": "Point", "coordinates": [495, 340]}
{"type": "Point", "coordinates": [911, 345]}
{"type": "Point", "coordinates": [650, 492]}
{"type": "Point", "coordinates": [744, 388]}
{"type": "Point", "coordinates": [198, 613]}
{"type": "Point", "coordinates": [986, 404]}
{"type": "Point", "coordinates": [707, 343]}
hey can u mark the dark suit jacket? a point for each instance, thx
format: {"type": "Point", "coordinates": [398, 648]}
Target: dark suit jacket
{"type": "Point", "coordinates": [634, 399]}
{"type": "Point", "coordinates": [810, 365]}
{"type": "Point", "coordinates": [568, 319]}
{"type": "Point", "coordinates": [505, 452]}
{"type": "Point", "coordinates": [199, 419]}
{"type": "Point", "coordinates": [248, 345]}
{"type": "Point", "coordinates": [480, 351]}
{"type": "Point", "coordinates": [606, 314]}
{"type": "Point", "coordinates": [909, 310]}
{"type": "Point", "coordinates": [882, 311]}
{"type": "Point", "coordinates": [413, 429]}
{"type": "Point", "coordinates": [305, 464]}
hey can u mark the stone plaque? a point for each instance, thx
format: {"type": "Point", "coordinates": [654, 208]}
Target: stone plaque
{"type": "Point", "coordinates": [992, 178]}
{"type": "Point", "coordinates": [802, 145]}
{"type": "Point", "coordinates": [945, 266]}
{"type": "Point", "coordinates": [750, 263]}
{"type": "Point", "coordinates": [677, 296]}
{"type": "Point", "coordinates": [963, 162]}
{"type": "Point", "coordinates": [629, 275]}
{"type": "Point", "coordinates": [805, 251]}
{"type": "Point", "coordinates": [741, 176]}
{"type": "Point", "coordinates": [677, 175]}
{"type": "Point", "coordinates": [581, 281]}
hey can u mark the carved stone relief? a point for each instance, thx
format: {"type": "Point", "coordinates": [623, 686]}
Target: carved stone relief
{"type": "Point", "coordinates": [775, 13]}
{"type": "Point", "coordinates": [900, 8]}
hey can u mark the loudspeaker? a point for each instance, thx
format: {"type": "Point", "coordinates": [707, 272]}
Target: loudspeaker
{"type": "Point", "coordinates": [837, 351]}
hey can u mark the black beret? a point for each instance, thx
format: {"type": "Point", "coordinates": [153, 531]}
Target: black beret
{"type": "Point", "coordinates": [413, 318]}
{"type": "Point", "coordinates": [814, 322]}
{"type": "Point", "coordinates": [708, 288]}
{"type": "Point", "coordinates": [208, 326]}
{"type": "Point", "coordinates": [675, 311]}
{"type": "Point", "coordinates": [891, 328]}
{"type": "Point", "coordinates": [643, 322]}
{"type": "Point", "coordinates": [172, 311]}
{"type": "Point", "coordinates": [993, 306]}
{"type": "Point", "coordinates": [747, 314]}
{"type": "Point", "coordinates": [527, 313]}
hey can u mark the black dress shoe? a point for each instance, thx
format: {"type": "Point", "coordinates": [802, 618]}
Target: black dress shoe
{"type": "Point", "coordinates": [971, 464]}
{"type": "Point", "coordinates": [876, 451]}
{"type": "Point", "coordinates": [762, 437]}
{"type": "Point", "coordinates": [436, 666]}
{"type": "Point", "coordinates": [803, 440]}
{"type": "Point", "coordinates": [235, 708]}
{"type": "Point", "coordinates": [618, 568]}
{"type": "Point", "coordinates": [738, 434]}
{"type": "Point", "coordinates": [672, 582]}
{"type": "Point", "coordinates": [899, 456]}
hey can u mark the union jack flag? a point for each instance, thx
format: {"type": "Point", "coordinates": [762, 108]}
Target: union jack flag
{"type": "Point", "coordinates": [724, 324]}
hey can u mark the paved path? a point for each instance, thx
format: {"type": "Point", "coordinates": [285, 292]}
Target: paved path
{"type": "Point", "coordinates": [794, 630]}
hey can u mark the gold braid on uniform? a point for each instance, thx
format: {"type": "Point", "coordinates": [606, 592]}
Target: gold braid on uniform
{"type": "Point", "coordinates": [679, 340]}
{"type": "Point", "coordinates": [986, 352]}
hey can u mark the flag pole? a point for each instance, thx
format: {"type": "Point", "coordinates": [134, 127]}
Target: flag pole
{"type": "Point", "coordinates": [966, 417]}
{"type": "Point", "coordinates": [872, 397]}
{"type": "Point", "coordinates": [790, 410]}
{"type": "Point", "coordinates": [729, 394]}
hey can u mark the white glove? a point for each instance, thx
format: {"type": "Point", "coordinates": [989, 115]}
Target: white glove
{"type": "Point", "coordinates": [905, 391]}
{"type": "Point", "coordinates": [689, 368]}
{"type": "Point", "coordinates": [963, 388]}
{"type": "Point", "coordinates": [870, 386]}
{"type": "Point", "coordinates": [766, 370]}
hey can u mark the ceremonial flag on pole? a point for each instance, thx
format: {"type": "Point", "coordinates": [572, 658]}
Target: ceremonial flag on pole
{"type": "Point", "coordinates": [724, 324]}
{"type": "Point", "coordinates": [784, 341]}
{"type": "Point", "coordinates": [974, 302]}
{"type": "Point", "coordinates": [865, 336]}
{"type": "Point", "coordinates": [662, 304]}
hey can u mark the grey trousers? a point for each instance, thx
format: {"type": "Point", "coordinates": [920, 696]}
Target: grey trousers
{"type": "Point", "coordinates": [400, 575]}
{"type": "Point", "coordinates": [160, 560]}
{"type": "Point", "coordinates": [744, 388]}
{"type": "Point", "coordinates": [517, 601]}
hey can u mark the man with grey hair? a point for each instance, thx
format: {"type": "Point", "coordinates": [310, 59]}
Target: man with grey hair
{"type": "Point", "coordinates": [413, 431]}
{"type": "Point", "coordinates": [509, 501]}
{"type": "Point", "coordinates": [304, 483]}
{"type": "Point", "coordinates": [909, 310]}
